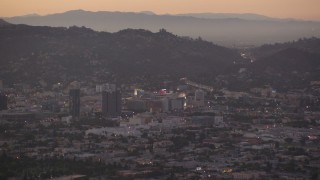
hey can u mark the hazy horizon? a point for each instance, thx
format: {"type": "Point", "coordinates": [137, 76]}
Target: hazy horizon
{"type": "Point", "coordinates": [286, 9]}
{"type": "Point", "coordinates": [160, 14]}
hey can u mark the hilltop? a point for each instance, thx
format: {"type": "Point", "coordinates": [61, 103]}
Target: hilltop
{"type": "Point", "coordinates": [34, 53]}
{"type": "Point", "coordinates": [223, 29]}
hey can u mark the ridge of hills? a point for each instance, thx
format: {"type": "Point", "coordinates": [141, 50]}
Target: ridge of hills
{"type": "Point", "coordinates": [311, 45]}
{"type": "Point", "coordinates": [298, 56]}
{"type": "Point", "coordinates": [34, 53]}
{"type": "Point", "coordinates": [246, 16]}
{"type": "Point", "coordinates": [55, 54]}
{"type": "Point", "coordinates": [4, 23]}
{"type": "Point", "coordinates": [287, 65]}
{"type": "Point", "coordinates": [287, 61]}
{"type": "Point", "coordinates": [223, 29]}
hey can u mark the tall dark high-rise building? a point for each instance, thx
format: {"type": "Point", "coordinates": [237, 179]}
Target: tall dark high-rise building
{"type": "Point", "coordinates": [3, 102]}
{"type": "Point", "coordinates": [74, 102]}
{"type": "Point", "coordinates": [111, 103]}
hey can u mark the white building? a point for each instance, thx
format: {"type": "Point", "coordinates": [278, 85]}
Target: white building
{"type": "Point", "coordinates": [105, 87]}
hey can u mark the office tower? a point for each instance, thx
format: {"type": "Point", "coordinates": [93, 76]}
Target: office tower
{"type": "Point", "coordinates": [3, 102]}
{"type": "Point", "coordinates": [111, 103]}
{"type": "Point", "coordinates": [74, 102]}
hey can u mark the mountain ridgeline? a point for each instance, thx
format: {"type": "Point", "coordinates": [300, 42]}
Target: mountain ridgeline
{"type": "Point", "coordinates": [34, 53]}
{"type": "Point", "coordinates": [222, 29]}
{"type": "Point", "coordinates": [300, 56]}
{"type": "Point", "coordinates": [287, 65]}
{"type": "Point", "coordinates": [54, 54]}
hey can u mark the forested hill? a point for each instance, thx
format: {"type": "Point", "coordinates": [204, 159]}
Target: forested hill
{"type": "Point", "coordinates": [33, 53]}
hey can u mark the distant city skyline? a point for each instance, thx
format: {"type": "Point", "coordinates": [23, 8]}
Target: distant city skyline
{"type": "Point", "coordinates": [297, 9]}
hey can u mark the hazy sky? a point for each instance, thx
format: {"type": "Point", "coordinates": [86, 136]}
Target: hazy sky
{"type": "Point", "coordinates": [299, 9]}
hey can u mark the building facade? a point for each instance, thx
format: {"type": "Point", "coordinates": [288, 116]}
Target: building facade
{"type": "Point", "coordinates": [111, 103]}
{"type": "Point", "coordinates": [74, 102]}
{"type": "Point", "coordinates": [3, 102]}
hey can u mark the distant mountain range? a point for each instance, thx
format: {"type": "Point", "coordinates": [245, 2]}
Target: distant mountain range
{"type": "Point", "coordinates": [223, 29]}
{"type": "Point", "coordinates": [3, 23]}
{"type": "Point", "coordinates": [244, 16]}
